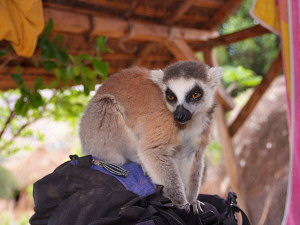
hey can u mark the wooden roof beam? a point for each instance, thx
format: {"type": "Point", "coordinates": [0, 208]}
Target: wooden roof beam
{"type": "Point", "coordinates": [140, 31]}
{"type": "Point", "coordinates": [180, 49]}
{"type": "Point", "coordinates": [68, 22]}
{"type": "Point", "coordinates": [222, 14]}
{"type": "Point", "coordinates": [28, 74]}
{"type": "Point", "coordinates": [208, 3]}
{"type": "Point", "coordinates": [182, 9]}
{"type": "Point", "coordinates": [76, 23]}
{"type": "Point", "coordinates": [143, 54]}
{"type": "Point", "coordinates": [227, 39]}
{"type": "Point", "coordinates": [271, 74]}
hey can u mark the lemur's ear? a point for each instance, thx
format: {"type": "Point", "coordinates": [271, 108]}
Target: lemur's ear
{"type": "Point", "coordinates": [214, 76]}
{"type": "Point", "coordinates": [157, 77]}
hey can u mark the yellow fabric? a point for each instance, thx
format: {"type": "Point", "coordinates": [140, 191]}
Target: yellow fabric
{"type": "Point", "coordinates": [21, 21]}
{"type": "Point", "coordinates": [267, 13]}
{"type": "Point", "coordinates": [285, 42]}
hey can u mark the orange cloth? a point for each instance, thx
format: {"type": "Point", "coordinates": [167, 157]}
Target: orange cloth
{"type": "Point", "coordinates": [21, 21]}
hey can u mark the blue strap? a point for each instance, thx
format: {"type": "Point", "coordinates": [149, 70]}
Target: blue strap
{"type": "Point", "coordinates": [136, 181]}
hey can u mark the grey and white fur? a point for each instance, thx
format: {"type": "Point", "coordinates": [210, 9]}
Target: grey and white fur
{"type": "Point", "coordinates": [160, 119]}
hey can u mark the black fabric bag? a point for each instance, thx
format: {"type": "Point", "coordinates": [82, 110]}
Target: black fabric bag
{"type": "Point", "coordinates": [78, 194]}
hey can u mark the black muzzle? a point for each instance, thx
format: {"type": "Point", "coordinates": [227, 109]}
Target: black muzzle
{"type": "Point", "coordinates": [182, 115]}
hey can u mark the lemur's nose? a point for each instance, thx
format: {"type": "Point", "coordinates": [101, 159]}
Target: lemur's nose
{"type": "Point", "coordinates": [182, 115]}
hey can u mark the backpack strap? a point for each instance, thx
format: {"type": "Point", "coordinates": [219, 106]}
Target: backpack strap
{"type": "Point", "coordinates": [231, 200]}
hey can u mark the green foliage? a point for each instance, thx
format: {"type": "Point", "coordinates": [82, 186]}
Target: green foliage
{"type": "Point", "coordinates": [9, 185]}
{"type": "Point", "coordinates": [82, 69]}
{"type": "Point", "coordinates": [255, 53]}
{"type": "Point", "coordinates": [239, 78]}
{"type": "Point", "coordinates": [57, 99]}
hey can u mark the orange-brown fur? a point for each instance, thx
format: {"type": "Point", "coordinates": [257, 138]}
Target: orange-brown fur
{"type": "Point", "coordinates": [128, 120]}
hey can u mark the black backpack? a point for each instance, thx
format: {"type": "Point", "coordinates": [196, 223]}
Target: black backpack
{"type": "Point", "coordinates": [80, 192]}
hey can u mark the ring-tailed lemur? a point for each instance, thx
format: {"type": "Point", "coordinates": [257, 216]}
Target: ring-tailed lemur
{"type": "Point", "coordinates": [160, 119]}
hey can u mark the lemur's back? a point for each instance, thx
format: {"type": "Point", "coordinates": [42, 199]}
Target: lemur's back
{"type": "Point", "coordinates": [133, 111]}
{"type": "Point", "coordinates": [145, 99]}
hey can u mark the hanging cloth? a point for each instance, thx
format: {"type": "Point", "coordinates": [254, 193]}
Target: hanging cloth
{"type": "Point", "coordinates": [21, 21]}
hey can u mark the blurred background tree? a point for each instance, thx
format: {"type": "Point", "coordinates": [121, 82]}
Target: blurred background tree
{"type": "Point", "coordinates": [247, 53]}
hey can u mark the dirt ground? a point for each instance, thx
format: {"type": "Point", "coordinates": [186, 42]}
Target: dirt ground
{"type": "Point", "coordinates": [262, 151]}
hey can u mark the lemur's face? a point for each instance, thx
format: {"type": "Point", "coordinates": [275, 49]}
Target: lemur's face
{"type": "Point", "coordinates": [189, 88]}
{"type": "Point", "coordinates": [184, 97]}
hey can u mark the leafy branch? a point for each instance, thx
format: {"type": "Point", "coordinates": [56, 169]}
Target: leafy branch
{"type": "Point", "coordinates": [27, 105]}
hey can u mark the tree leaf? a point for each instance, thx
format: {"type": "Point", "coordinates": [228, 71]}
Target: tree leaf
{"type": "Point", "coordinates": [49, 27]}
{"type": "Point", "coordinates": [76, 70]}
{"type": "Point", "coordinates": [85, 56]}
{"type": "Point", "coordinates": [100, 67]}
{"type": "Point", "coordinates": [54, 84]}
{"type": "Point", "coordinates": [87, 72]}
{"type": "Point", "coordinates": [69, 73]}
{"type": "Point", "coordinates": [48, 65]}
{"type": "Point", "coordinates": [251, 81]}
{"type": "Point", "coordinates": [38, 83]}
{"type": "Point", "coordinates": [101, 44]}
{"type": "Point", "coordinates": [18, 78]}
{"type": "Point", "coordinates": [21, 107]}
{"type": "Point", "coordinates": [58, 40]}
{"type": "Point", "coordinates": [47, 49]}
{"type": "Point", "coordinates": [62, 56]}
{"type": "Point", "coordinates": [36, 100]}
{"type": "Point", "coordinates": [58, 72]}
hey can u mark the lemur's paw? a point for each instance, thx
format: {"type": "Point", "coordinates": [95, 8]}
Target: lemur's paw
{"type": "Point", "coordinates": [186, 207]}
{"type": "Point", "coordinates": [197, 209]}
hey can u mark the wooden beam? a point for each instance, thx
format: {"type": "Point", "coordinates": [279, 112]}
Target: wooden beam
{"type": "Point", "coordinates": [180, 49]}
{"type": "Point", "coordinates": [222, 14]}
{"type": "Point", "coordinates": [227, 39]}
{"type": "Point", "coordinates": [227, 149]}
{"type": "Point", "coordinates": [67, 22]}
{"type": "Point", "coordinates": [208, 3]}
{"type": "Point", "coordinates": [210, 57]}
{"type": "Point", "coordinates": [229, 157]}
{"type": "Point", "coordinates": [143, 54]}
{"type": "Point", "coordinates": [141, 31]}
{"type": "Point", "coordinates": [76, 23]}
{"type": "Point", "coordinates": [132, 8]}
{"type": "Point", "coordinates": [29, 74]}
{"type": "Point", "coordinates": [6, 82]}
{"type": "Point", "coordinates": [183, 8]}
{"type": "Point", "coordinates": [273, 71]}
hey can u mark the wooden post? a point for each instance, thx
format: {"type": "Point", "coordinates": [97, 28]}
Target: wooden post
{"type": "Point", "coordinates": [225, 139]}
{"type": "Point", "coordinates": [229, 157]}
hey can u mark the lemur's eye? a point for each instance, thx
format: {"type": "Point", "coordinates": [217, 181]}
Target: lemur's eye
{"type": "Point", "coordinates": [196, 95]}
{"type": "Point", "coordinates": [171, 97]}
